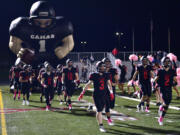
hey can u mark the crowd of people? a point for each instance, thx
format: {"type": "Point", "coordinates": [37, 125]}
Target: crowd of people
{"type": "Point", "coordinates": [152, 78]}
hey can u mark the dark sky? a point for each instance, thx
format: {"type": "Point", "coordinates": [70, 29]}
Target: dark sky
{"type": "Point", "coordinates": [96, 22]}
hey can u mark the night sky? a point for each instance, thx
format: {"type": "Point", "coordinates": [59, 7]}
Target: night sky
{"type": "Point", "coordinates": [96, 22]}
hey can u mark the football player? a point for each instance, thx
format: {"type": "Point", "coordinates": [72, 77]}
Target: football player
{"type": "Point", "coordinates": [47, 82]}
{"type": "Point", "coordinates": [122, 78]}
{"type": "Point", "coordinates": [70, 79]}
{"type": "Point", "coordinates": [17, 87]}
{"type": "Point", "coordinates": [145, 73]}
{"type": "Point", "coordinates": [132, 83]}
{"type": "Point", "coordinates": [165, 79]}
{"type": "Point", "coordinates": [24, 80]}
{"type": "Point", "coordinates": [58, 80]}
{"type": "Point", "coordinates": [102, 85]}
{"type": "Point", "coordinates": [113, 74]}
{"type": "Point", "coordinates": [42, 35]}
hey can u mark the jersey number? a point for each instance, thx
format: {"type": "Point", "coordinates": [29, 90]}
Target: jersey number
{"type": "Point", "coordinates": [145, 75]}
{"type": "Point", "coordinates": [101, 84]}
{"type": "Point", "coordinates": [166, 80]}
{"type": "Point", "coordinates": [49, 81]}
{"type": "Point", "coordinates": [42, 44]}
{"type": "Point", "coordinates": [70, 76]}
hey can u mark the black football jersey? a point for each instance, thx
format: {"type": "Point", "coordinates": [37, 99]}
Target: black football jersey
{"type": "Point", "coordinates": [59, 75]}
{"type": "Point", "coordinates": [166, 77]}
{"type": "Point", "coordinates": [16, 71]}
{"type": "Point", "coordinates": [69, 74]}
{"type": "Point", "coordinates": [100, 83]}
{"type": "Point", "coordinates": [112, 72]}
{"type": "Point", "coordinates": [48, 79]}
{"type": "Point", "coordinates": [144, 73]}
{"type": "Point", "coordinates": [41, 41]}
{"type": "Point", "coordinates": [25, 75]}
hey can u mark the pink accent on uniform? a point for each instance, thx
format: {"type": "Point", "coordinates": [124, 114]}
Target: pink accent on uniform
{"type": "Point", "coordinates": [14, 94]}
{"type": "Point", "coordinates": [161, 108]}
{"type": "Point", "coordinates": [118, 62]}
{"type": "Point", "coordinates": [147, 109]}
{"type": "Point", "coordinates": [160, 119]}
{"type": "Point", "coordinates": [172, 57]}
{"type": "Point", "coordinates": [110, 120]}
{"type": "Point", "coordinates": [133, 57]}
{"type": "Point", "coordinates": [150, 58]}
{"type": "Point", "coordinates": [19, 93]}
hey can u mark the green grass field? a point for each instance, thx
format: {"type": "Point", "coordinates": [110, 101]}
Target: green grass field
{"type": "Point", "coordinates": [34, 120]}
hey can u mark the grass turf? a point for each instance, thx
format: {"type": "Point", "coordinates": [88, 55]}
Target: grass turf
{"type": "Point", "coordinates": [81, 122]}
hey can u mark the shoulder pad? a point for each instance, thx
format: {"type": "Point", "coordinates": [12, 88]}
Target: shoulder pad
{"type": "Point", "coordinates": [16, 25]}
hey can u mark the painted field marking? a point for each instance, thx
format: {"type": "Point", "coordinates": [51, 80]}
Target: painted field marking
{"type": "Point", "coordinates": [3, 120]}
{"type": "Point", "coordinates": [138, 100]}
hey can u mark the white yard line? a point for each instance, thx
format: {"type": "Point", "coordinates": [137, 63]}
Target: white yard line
{"type": "Point", "coordinates": [138, 100]}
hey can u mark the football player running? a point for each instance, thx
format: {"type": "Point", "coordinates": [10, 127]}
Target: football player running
{"type": "Point", "coordinates": [43, 36]}
{"type": "Point", "coordinates": [58, 82]}
{"type": "Point", "coordinates": [24, 80]}
{"type": "Point", "coordinates": [166, 77]}
{"type": "Point", "coordinates": [47, 82]}
{"type": "Point", "coordinates": [70, 79]}
{"type": "Point", "coordinates": [15, 75]}
{"type": "Point", "coordinates": [102, 85]}
{"type": "Point", "coordinates": [145, 73]}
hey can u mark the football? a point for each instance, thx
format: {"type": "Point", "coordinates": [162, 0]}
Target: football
{"type": "Point", "coordinates": [27, 56]}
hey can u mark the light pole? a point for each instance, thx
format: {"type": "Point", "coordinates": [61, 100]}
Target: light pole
{"type": "Point", "coordinates": [133, 40]}
{"type": "Point", "coordinates": [83, 43]}
{"type": "Point", "coordinates": [118, 35]}
{"type": "Point", "coordinates": [169, 40]}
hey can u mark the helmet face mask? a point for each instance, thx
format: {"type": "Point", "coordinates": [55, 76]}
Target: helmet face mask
{"type": "Point", "coordinates": [42, 14]}
{"type": "Point", "coordinates": [42, 23]}
{"type": "Point", "coordinates": [100, 66]}
{"type": "Point", "coordinates": [69, 63]}
{"type": "Point", "coordinates": [166, 62]}
{"type": "Point", "coordinates": [144, 60]}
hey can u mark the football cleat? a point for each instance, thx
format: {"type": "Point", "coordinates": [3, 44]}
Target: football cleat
{"type": "Point", "coordinates": [101, 129]}
{"type": "Point", "coordinates": [142, 108]}
{"type": "Point", "coordinates": [138, 108]}
{"type": "Point", "coordinates": [160, 120]}
{"type": "Point", "coordinates": [23, 103]}
{"type": "Point", "coordinates": [90, 108]}
{"type": "Point", "coordinates": [160, 111]}
{"type": "Point", "coordinates": [70, 107]}
{"type": "Point", "coordinates": [61, 102]}
{"type": "Point", "coordinates": [47, 108]}
{"type": "Point", "coordinates": [147, 110]}
{"type": "Point", "coordinates": [110, 122]}
{"type": "Point", "coordinates": [27, 102]}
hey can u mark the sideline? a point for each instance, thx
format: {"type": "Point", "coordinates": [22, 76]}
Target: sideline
{"type": "Point", "coordinates": [3, 120]}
